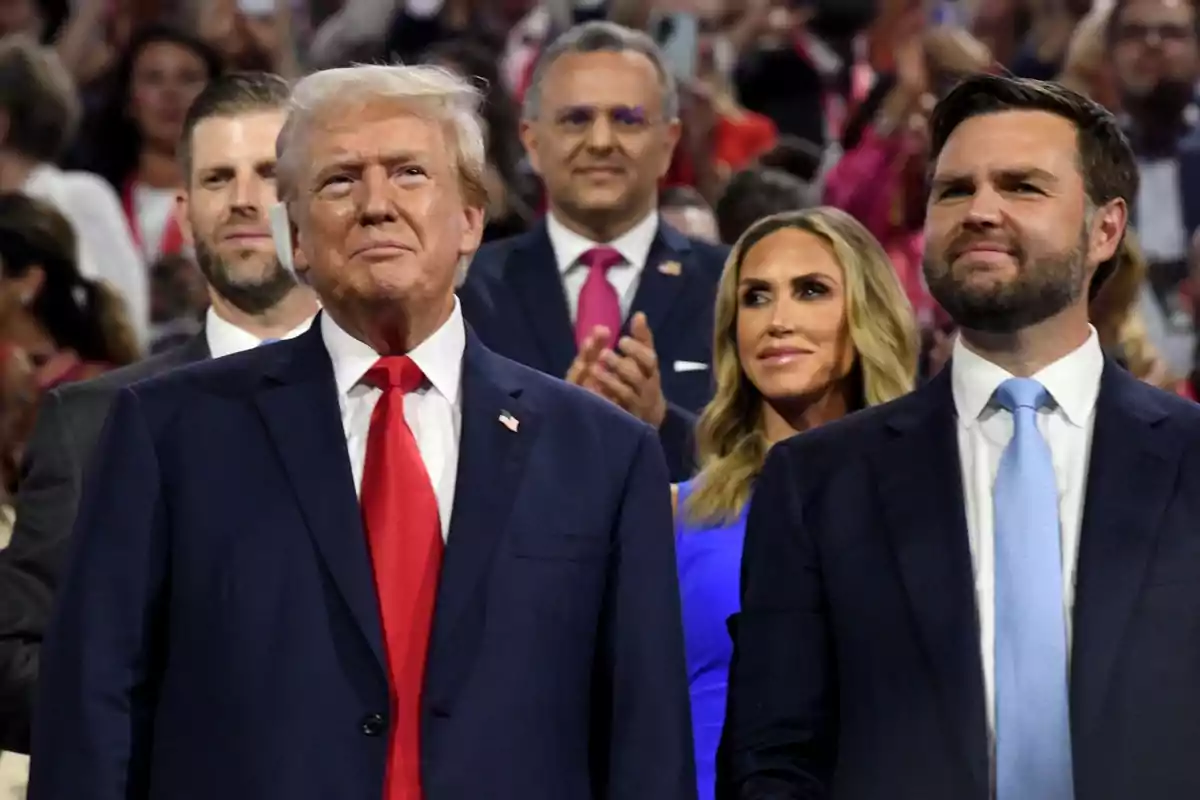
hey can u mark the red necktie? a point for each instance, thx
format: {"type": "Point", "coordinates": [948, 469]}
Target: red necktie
{"type": "Point", "coordinates": [598, 301]}
{"type": "Point", "coordinates": [400, 512]}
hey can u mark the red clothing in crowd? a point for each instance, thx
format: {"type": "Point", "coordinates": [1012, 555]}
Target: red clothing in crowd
{"type": "Point", "coordinates": [867, 184]}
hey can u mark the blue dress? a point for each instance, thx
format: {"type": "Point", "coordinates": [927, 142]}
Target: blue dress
{"type": "Point", "coordinates": [709, 562]}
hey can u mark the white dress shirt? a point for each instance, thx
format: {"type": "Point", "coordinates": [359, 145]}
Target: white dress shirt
{"type": "Point", "coordinates": [106, 247]}
{"type": "Point", "coordinates": [154, 209]}
{"type": "Point", "coordinates": [224, 338]}
{"type": "Point", "coordinates": [633, 245]}
{"type": "Point", "coordinates": [433, 412]}
{"type": "Point", "coordinates": [984, 430]}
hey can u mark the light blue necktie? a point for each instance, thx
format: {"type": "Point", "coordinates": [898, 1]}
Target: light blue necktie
{"type": "Point", "coordinates": [267, 341]}
{"type": "Point", "coordinates": [1033, 729]}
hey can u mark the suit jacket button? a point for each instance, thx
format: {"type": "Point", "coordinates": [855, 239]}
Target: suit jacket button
{"type": "Point", "coordinates": [373, 725]}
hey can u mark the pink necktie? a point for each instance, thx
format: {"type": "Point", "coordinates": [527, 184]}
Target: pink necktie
{"type": "Point", "coordinates": [598, 301]}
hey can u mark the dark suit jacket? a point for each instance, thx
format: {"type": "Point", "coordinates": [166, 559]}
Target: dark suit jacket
{"type": "Point", "coordinates": [69, 422]}
{"type": "Point", "coordinates": [218, 635]}
{"type": "Point", "coordinates": [857, 670]}
{"type": "Point", "coordinates": [514, 299]}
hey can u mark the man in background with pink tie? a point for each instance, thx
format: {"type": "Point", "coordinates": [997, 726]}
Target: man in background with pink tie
{"type": "Point", "coordinates": [603, 292]}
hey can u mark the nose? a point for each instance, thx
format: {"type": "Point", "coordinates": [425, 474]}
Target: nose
{"type": "Point", "coordinates": [247, 194]}
{"type": "Point", "coordinates": [600, 134]}
{"type": "Point", "coordinates": [985, 209]}
{"type": "Point", "coordinates": [782, 314]}
{"type": "Point", "coordinates": [377, 203]}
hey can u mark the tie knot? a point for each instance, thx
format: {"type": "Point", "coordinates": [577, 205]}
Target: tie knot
{"type": "Point", "coordinates": [395, 372]}
{"type": "Point", "coordinates": [267, 341]}
{"type": "Point", "coordinates": [601, 258]}
{"type": "Point", "coordinates": [1017, 393]}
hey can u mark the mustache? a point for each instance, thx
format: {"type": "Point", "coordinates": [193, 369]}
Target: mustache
{"type": "Point", "coordinates": [967, 240]}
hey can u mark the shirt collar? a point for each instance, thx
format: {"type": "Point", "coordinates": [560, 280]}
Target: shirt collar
{"type": "Point", "coordinates": [439, 356]}
{"type": "Point", "coordinates": [633, 245]}
{"type": "Point", "coordinates": [224, 338]}
{"type": "Point", "coordinates": [1073, 381]}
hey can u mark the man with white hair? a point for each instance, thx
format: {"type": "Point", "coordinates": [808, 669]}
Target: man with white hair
{"type": "Point", "coordinates": [376, 560]}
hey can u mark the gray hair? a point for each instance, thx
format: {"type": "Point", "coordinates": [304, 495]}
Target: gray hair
{"type": "Point", "coordinates": [428, 90]}
{"type": "Point", "coordinates": [601, 37]}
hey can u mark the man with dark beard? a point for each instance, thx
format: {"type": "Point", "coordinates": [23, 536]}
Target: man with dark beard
{"type": "Point", "coordinates": [228, 154]}
{"type": "Point", "coordinates": [989, 587]}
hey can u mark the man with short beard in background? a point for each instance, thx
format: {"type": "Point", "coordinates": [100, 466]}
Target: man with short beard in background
{"type": "Point", "coordinates": [228, 155]}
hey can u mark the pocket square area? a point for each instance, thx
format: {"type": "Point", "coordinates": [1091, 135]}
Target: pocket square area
{"type": "Point", "coordinates": [690, 366]}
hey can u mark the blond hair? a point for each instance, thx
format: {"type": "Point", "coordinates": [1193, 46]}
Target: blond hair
{"type": "Point", "coordinates": [431, 91]}
{"type": "Point", "coordinates": [1114, 314]}
{"type": "Point", "coordinates": [730, 436]}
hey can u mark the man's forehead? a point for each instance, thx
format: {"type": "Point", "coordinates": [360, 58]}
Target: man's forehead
{"type": "Point", "coordinates": [1155, 9]}
{"type": "Point", "coordinates": [1002, 140]}
{"type": "Point", "coordinates": [268, 120]}
{"type": "Point", "coordinates": [584, 77]}
{"type": "Point", "coordinates": [219, 133]}
{"type": "Point", "coordinates": [376, 126]}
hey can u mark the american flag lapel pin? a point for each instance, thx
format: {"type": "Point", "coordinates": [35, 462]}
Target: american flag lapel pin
{"type": "Point", "coordinates": [672, 268]}
{"type": "Point", "coordinates": [509, 421]}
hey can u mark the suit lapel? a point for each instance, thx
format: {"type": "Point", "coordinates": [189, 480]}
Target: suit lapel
{"type": "Point", "coordinates": [490, 465]}
{"type": "Point", "coordinates": [920, 483]}
{"type": "Point", "coordinates": [1131, 472]}
{"type": "Point", "coordinates": [664, 278]}
{"type": "Point", "coordinates": [535, 278]}
{"type": "Point", "coordinates": [299, 406]}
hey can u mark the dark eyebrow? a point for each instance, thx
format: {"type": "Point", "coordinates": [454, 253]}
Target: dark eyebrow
{"type": "Point", "coordinates": [230, 169]}
{"type": "Point", "coordinates": [1009, 175]}
{"type": "Point", "coordinates": [1020, 174]}
{"type": "Point", "coordinates": [815, 275]}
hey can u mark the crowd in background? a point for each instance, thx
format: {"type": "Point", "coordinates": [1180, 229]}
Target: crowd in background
{"type": "Point", "coordinates": [784, 105]}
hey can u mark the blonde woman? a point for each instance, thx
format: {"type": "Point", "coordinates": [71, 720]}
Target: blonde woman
{"type": "Point", "coordinates": [811, 324]}
{"type": "Point", "coordinates": [1115, 315]}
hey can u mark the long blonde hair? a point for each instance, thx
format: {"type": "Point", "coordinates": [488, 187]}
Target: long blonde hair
{"type": "Point", "coordinates": [1118, 322]}
{"type": "Point", "coordinates": [730, 436]}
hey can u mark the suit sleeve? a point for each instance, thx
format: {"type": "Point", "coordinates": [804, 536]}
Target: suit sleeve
{"type": "Point", "coordinates": [780, 720]}
{"type": "Point", "coordinates": [101, 657]}
{"type": "Point", "coordinates": [645, 687]}
{"type": "Point", "coordinates": [677, 434]}
{"type": "Point", "coordinates": [29, 566]}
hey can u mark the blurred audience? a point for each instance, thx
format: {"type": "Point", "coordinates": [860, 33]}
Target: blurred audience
{"type": "Point", "coordinates": [1156, 59]}
{"type": "Point", "coordinates": [512, 192]}
{"type": "Point", "coordinates": [39, 116]}
{"type": "Point", "coordinates": [18, 409]}
{"type": "Point", "coordinates": [1117, 319]}
{"type": "Point", "coordinates": [881, 178]}
{"type": "Point", "coordinates": [684, 209]}
{"type": "Point", "coordinates": [71, 327]}
{"type": "Point", "coordinates": [138, 131]}
{"type": "Point", "coordinates": [760, 192]}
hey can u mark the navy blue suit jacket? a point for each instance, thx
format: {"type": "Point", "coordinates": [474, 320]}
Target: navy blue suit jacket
{"type": "Point", "coordinates": [217, 633]}
{"type": "Point", "coordinates": [857, 671]}
{"type": "Point", "coordinates": [514, 299]}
